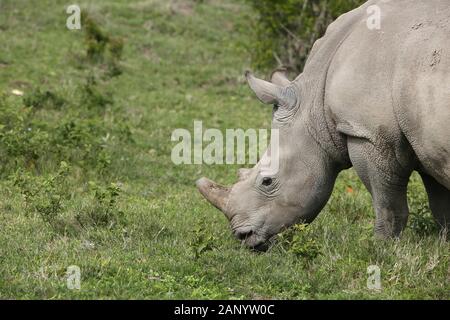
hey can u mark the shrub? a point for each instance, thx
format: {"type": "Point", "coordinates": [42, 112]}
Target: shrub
{"type": "Point", "coordinates": [49, 197]}
{"type": "Point", "coordinates": [103, 210]}
{"type": "Point", "coordinates": [92, 96]}
{"type": "Point", "coordinates": [287, 29]}
{"type": "Point", "coordinates": [43, 194]}
{"type": "Point", "coordinates": [37, 134]}
{"type": "Point", "coordinates": [43, 99]}
{"type": "Point", "coordinates": [420, 219]}
{"type": "Point", "coordinates": [21, 143]}
{"type": "Point", "coordinates": [96, 39]}
{"type": "Point", "coordinates": [101, 47]}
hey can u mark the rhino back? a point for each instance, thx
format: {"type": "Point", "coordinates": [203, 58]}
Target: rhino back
{"type": "Point", "coordinates": [422, 90]}
{"type": "Point", "coordinates": [392, 85]}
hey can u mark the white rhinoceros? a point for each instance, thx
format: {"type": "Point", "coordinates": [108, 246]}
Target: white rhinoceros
{"type": "Point", "coordinates": [374, 99]}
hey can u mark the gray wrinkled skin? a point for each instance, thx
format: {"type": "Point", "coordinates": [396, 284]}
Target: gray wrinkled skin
{"type": "Point", "coordinates": [377, 100]}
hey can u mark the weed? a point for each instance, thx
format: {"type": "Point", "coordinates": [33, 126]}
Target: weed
{"type": "Point", "coordinates": [101, 47]}
{"type": "Point", "coordinates": [93, 97]}
{"type": "Point", "coordinates": [102, 211]}
{"type": "Point", "coordinates": [420, 219]}
{"type": "Point", "coordinates": [44, 99]}
{"type": "Point", "coordinates": [44, 195]}
{"type": "Point", "coordinates": [299, 241]}
{"type": "Point", "coordinates": [21, 142]}
{"type": "Point", "coordinates": [201, 242]}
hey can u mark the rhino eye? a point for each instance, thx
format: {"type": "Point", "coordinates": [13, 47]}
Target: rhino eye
{"type": "Point", "coordinates": [267, 181]}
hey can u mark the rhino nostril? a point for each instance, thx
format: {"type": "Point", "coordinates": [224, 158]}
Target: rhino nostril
{"type": "Point", "coordinates": [244, 235]}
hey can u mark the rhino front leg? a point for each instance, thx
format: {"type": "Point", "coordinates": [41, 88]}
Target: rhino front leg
{"type": "Point", "coordinates": [386, 181]}
{"type": "Point", "coordinates": [439, 199]}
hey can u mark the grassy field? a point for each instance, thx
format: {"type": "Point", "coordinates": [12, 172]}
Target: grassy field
{"type": "Point", "coordinates": [87, 178]}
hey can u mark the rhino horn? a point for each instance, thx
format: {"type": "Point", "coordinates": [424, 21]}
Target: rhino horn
{"type": "Point", "coordinates": [216, 194]}
{"type": "Point", "coordinates": [270, 93]}
{"type": "Point", "coordinates": [279, 77]}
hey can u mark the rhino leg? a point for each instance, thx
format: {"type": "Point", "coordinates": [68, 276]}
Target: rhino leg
{"type": "Point", "coordinates": [386, 181]}
{"type": "Point", "coordinates": [439, 199]}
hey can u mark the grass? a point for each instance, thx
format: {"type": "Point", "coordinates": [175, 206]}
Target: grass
{"type": "Point", "coordinates": [123, 212]}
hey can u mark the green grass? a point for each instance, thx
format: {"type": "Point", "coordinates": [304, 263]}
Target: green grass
{"type": "Point", "coordinates": [157, 238]}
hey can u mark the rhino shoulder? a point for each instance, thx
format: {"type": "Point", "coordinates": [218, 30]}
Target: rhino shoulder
{"type": "Point", "coordinates": [340, 27]}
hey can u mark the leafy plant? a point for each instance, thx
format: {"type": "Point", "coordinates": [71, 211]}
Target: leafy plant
{"type": "Point", "coordinates": [21, 142]}
{"type": "Point", "coordinates": [44, 99]}
{"type": "Point", "coordinates": [103, 211]}
{"type": "Point", "coordinates": [44, 195]}
{"type": "Point", "coordinates": [299, 241]}
{"type": "Point", "coordinates": [202, 241]}
{"type": "Point", "coordinates": [420, 219]}
{"type": "Point", "coordinates": [101, 47]}
{"type": "Point", "coordinates": [92, 96]}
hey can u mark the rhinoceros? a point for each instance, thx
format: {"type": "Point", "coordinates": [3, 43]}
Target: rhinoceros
{"type": "Point", "coordinates": [377, 100]}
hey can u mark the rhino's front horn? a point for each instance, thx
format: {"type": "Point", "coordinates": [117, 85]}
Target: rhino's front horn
{"type": "Point", "coordinates": [270, 93]}
{"type": "Point", "coordinates": [216, 194]}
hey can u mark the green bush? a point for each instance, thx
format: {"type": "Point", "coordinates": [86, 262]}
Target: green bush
{"type": "Point", "coordinates": [420, 218]}
{"type": "Point", "coordinates": [43, 194]}
{"type": "Point", "coordinates": [101, 47]}
{"type": "Point", "coordinates": [49, 197]}
{"type": "Point", "coordinates": [287, 29]}
{"type": "Point", "coordinates": [103, 210]}
{"type": "Point", "coordinates": [44, 99]}
{"type": "Point", "coordinates": [36, 133]}
{"type": "Point", "coordinates": [21, 142]}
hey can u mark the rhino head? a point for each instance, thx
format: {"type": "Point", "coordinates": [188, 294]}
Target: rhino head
{"type": "Point", "coordinates": [263, 203]}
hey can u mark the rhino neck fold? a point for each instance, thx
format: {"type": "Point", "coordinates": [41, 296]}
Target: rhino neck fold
{"type": "Point", "coordinates": [312, 83]}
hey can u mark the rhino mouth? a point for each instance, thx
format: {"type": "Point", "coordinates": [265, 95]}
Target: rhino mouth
{"type": "Point", "coordinates": [253, 240]}
{"type": "Point", "coordinates": [262, 247]}
{"type": "Point", "coordinates": [250, 236]}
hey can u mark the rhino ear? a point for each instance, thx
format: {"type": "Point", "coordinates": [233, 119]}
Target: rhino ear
{"type": "Point", "coordinates": [270, 93]}
{"type": "Point", "coordinates": [279, 77]}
